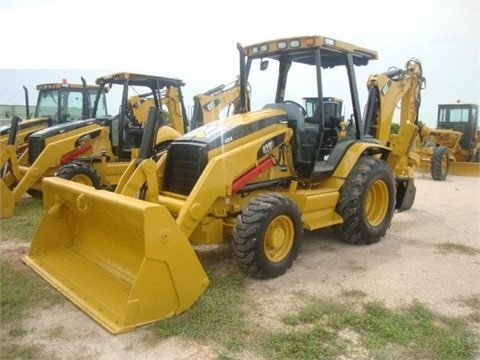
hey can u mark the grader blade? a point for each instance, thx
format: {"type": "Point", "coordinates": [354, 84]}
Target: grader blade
{"type": "Point", "coordinates": [458, 168]}
{"type": "Point", "coordinates": [123, 261]}
{"type": "Point", "coordinates": [463, 168]}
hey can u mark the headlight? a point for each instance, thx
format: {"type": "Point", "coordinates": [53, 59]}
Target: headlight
{"type": "Point", "coordinates": [329, 42]}
{"type": "Point", "coordinates": [295, 43]}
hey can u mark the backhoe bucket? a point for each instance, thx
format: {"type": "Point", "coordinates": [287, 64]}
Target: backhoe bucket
{"type": "Point", "coordinates": [123, 261]}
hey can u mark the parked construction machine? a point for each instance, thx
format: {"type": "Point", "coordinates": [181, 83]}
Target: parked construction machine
{"type": "Point", "coordinates": [57, 103]}
{"type": "Point", "coordinates": [209, 105]}
{"type": "Point", "coordinates": [454, 146]}
{"type": "Point", "coordinates": [98, 150]}
{"type": "Point", "coordinates": [258, 179]}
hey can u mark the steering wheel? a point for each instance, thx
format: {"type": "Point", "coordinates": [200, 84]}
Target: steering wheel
{"type": "Point", "coordinates": [304, 112]}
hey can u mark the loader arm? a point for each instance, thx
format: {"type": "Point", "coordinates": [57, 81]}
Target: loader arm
{"type": "Point", "coordinates": [59, 149]}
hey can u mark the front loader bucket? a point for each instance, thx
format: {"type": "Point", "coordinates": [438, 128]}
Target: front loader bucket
{"type": "Point", "coordinates": [123, 261]}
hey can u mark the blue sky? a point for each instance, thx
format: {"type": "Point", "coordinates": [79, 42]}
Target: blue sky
{"type": "Point", "coordinates": [45, 41]}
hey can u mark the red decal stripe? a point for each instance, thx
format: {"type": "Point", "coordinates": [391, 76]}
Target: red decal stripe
{"type": "Point", "coordinates": [251, 174]}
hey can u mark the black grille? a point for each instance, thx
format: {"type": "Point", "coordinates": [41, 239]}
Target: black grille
{"type": "Point", "coordinates": [35, 147]}
{"type": "Point", "coordinates": [185, 163]}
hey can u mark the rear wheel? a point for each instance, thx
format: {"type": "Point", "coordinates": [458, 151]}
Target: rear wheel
{"type": "Point", "coordinates": [80, 172]}
{"type": "Point", "coordinates": [267, 237]}
{"type": "Point", "coordinates": [439, 164]}
{"type": "Point", "coordinates": [366, 203]}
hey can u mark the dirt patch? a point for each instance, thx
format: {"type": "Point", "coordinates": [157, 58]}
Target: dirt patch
{"type": "Point", "coordinates": [405, 266]}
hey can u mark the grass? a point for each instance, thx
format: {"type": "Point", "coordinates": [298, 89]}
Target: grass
{"type": "Point", "coordinates": [216, 316]}
{"type": "Point", "coordinates": [415, 333]}
{"type": "Point", "coordinates": [219, 317]}
{"type": "Point", "coordinates": [21, 290]}
{"type": "Point", "coordinates": [450, 247]}
{"type": "Point", "coordinates": [473, 302]}
{"type": "Point", "coordinates": [22, 226]}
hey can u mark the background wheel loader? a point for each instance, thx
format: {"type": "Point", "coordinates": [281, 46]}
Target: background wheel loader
{"type": "Point", "coordinates": [258, 179]}
{"type": "Point", "coordinates": [97, 151]}
{"type": "Point", "coordinates": [454, 146]}
{"type": "Point", "coordinates": [57, 103]}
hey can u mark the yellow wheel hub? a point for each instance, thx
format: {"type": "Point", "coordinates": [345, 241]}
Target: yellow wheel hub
{"type": "Point", "coordinates": [444, 165]}
{"type": "Point", "coordinates": [377, 203]}
{"type": "Point", "coordinates": [82, 179]}
{"type": "Point", "coordinates": [279, 238]}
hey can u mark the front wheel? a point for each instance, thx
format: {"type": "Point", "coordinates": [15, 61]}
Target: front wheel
{"type": "Point", "coordinates": [267, 236]}
{"type": "Point", "coordinates": [439, 164]}
{"type": "Point", "coordinates": [366, 202]}
{"type": "Point", "coordinates": [80, 172]}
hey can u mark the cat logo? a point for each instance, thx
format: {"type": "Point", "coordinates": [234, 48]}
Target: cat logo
{"type": "Point", "coordinates": [84, 139]}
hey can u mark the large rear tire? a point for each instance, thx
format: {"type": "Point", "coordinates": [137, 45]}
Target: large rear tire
{"type": "Point", "coordinates": [267, 236]}
{"type": "Point", "coordinates": [366, 203]}
{"type": "Point", "coordinates": [439, 164]}
{"type": "Point", "coordinates": [80, 172]}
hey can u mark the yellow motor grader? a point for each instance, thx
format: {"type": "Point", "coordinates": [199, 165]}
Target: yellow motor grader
{"type": "Point", "coordinates": [258, 178]}
{"type": "Point", "coordinates": [454, 146]}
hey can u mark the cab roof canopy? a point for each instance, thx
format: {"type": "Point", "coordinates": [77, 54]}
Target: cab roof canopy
{"type": "Point", "coordinates": [300, 49]}
{"type": "Point", "coordinates": [139, 80]}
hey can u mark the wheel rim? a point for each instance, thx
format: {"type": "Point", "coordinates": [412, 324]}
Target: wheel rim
{"type": "Point", "coordinates": [279, 238]}
{"type": "Point", "coordinates": [444, 164]}
{"type": "Point", "coordinates": [82, 179]}
{"type": "Point", "coordinates": [377, 203]}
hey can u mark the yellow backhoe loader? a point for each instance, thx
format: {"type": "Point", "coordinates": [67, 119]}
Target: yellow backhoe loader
{"type": "Point", "coordinates": [93, 151]}
{"type": "Point", "coordinates": [260, 178]}
{"type": "Point", "coordinates": [209, 105]}
{"type": "Point", "coordinates": [97, 151]}
{"type": "Point", "coordinates": [454, 146]}
{"type": "Point", "coordinates": [57, 103]}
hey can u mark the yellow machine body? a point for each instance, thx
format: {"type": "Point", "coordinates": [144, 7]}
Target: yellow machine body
{"type": "Point", "coordinates": [454, 146]}
{"type": "Point", "coordinates": [127, 257]}
{"type": "Point", "coordinates": [104, 146]}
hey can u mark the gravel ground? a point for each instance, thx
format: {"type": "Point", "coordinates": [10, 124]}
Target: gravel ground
{"type": "Point", "coordinates": [406, 265]}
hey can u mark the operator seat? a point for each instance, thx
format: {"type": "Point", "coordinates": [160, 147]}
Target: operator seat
{"type": "Point", "coordinates": [331, 128]}
{"type": "Point", "coordinates": [294, 114]}
{"type": "Point", "coordinates": [296, 121]}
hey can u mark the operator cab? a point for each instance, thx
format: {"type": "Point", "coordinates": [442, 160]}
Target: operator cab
{"type": "Point", "coordinates": [461, 117]}
{"type": "Point", "coordinates": [138, 93]}
{"type": "Point", "coordinates": [319, 140]}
